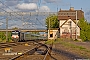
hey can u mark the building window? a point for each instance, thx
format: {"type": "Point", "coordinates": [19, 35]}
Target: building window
{"type": "Point", "coordinates": [51, 35]}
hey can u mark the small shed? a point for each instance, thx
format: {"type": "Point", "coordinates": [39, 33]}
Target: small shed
{"type": "Point", "coordinates": [53, 33]}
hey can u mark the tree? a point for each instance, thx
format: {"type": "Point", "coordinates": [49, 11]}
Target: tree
{"type": "Point", "coordinates": [53, 21]}
{"type": "Point", "coordinates": [85, 30]}
{"type": "Point", "coordinates": [15, 28]}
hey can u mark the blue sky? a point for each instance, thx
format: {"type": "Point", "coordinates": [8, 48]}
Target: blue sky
{"type": "Point", "coordinates": [45, 6]}
{"type": "Point", "coordinates": [66, 4]}
{"type": "Point", "coordinates": [51, 4]}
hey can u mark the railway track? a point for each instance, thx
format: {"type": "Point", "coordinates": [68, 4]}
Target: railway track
{"type": "Point", "coordinates": [40, 52]}
{"type": "Point", "coordinates": [35, 50]}
{"type": "Point", "coordinates": [9, 50]}
{"type": "Point", "coordinates": [11, 44]}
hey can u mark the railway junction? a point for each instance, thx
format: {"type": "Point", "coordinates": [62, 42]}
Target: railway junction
{"type": "Point", "coordinates": [24, 50]}
{"type": "Point", "coordinates": [35, 48]}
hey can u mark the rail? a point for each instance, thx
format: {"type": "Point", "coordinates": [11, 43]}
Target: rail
{"type": "Point", "coordinates": [45, 53]}
{"type": "Point", "coordinates": [29, 51]}
{"type": "Point", "coordinates": [47, 56]}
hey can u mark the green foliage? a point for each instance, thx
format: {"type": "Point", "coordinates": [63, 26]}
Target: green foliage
{"type": "Point", "coordinates": [85, 30]}
{"type": "Point", "coordinates": [36, 33]}
{"type": "Point", "coordinates": [52, 19]}
{"type": "Point", "coordinates": [3, 36]}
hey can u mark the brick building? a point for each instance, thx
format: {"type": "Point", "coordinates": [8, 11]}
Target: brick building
{"type": "Point", "coordinates": [68, 20]}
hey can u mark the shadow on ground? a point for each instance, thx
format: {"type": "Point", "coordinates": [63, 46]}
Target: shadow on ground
{"type": "Point", "coordinates": [67, 54]}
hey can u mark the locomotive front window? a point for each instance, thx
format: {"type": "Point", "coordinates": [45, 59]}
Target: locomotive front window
{"type": "Point", "coordinates": [14, 33]}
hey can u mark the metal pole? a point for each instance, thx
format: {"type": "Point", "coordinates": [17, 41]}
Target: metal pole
{"type": "Point", "coordinates": [22, 21]}
{"type": "Point", "coordinates": [6, 29]}
{"type": "Point", "coordinates": [70, 29]}
{"type": "Point", "coordinates": [76, 25]}
{"type": "Point", "coordinates": [49, 27]}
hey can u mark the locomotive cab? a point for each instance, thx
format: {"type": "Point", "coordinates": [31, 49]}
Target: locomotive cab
{"type": "Point", "coordinates": [15, 35]}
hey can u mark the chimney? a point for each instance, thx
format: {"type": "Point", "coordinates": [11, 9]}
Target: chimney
{"type": "Point", "coordinates": [71, 8]}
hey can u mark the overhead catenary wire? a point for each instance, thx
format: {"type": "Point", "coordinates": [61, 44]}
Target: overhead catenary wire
{"type": "Point", "coordinates": [22, 14]}
{"type": "Point", "coordinates": [7, 12]}
{"type": "Point", "coordinates": [8, 8]}
{"type": "Point", "coordinates": [12, 10]}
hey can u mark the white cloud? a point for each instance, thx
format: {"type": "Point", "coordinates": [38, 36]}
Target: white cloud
{"type": "Point", "coordinates": [1, 23]}
{"type": "Point", "coordinates": [32, 7]}
{"type": "Point", "coordinates": [87, 12]}
{"type": "Point", "coordinates": [33, 1]}
{"type": "Point", "coordinates": [1, 5]}
{"type": "Point", "coordinates": [50, 1]}
{"type": "Point", "coordinates": [27, 6]}
{"type": "Point", "coordinates": [11, 2]}
{"type": "Point", "coordinates": [44, 9]}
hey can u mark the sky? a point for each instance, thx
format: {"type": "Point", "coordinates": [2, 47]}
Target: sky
{"type": "Point", "coordinates": [45, 6]}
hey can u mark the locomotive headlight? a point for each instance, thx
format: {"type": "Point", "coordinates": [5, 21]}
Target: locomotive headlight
{"type": "Point", "coordinates": [12, 36]}
{"type": "Point", "coordinates": [15, 36]}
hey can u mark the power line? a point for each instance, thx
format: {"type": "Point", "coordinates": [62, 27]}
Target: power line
{"type": "Point", "coordinates": [8, 7]}
{"type": "Point", "coordinates": [18, 14]}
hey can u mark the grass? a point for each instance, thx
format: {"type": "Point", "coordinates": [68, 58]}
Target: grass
{"type": "Point", "coordinates": [49, 42]}
{"type": "Point", "coordinates": [71, 45]}
{"type": "Point", "coordinates": [5, 40]}
{"type": "Point", "coordinates": [82, 50]}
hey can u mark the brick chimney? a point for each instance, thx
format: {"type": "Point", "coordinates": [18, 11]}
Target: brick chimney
{"type": "Point", "coordinates": [71, 8]}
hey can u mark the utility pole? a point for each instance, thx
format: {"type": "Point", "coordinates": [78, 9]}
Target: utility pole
{"type": "Point", "coordinates": [22, 20]}
{"type": "Point", "coordinates": [7, 29]}
{"type": "Point", "coordinates": [49, 27]}
{"type": "Point", "coordinates": [70, 29]}
{"type": "Point", "coordinates": [76, 25]}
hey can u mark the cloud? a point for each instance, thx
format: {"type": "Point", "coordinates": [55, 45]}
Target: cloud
{"type": "Point", "coordinates": [87, 15]}
{"type": "Point", "coordinates": [44, 9]}
{"type": "Point", "coordinates": [32, 7]}
{"type": "Point", "coordinates": [87, 12]}
{"type": "Point", "coordinates": [31, 1]}
{"type": "Point", "coordinates": [27, 6]}
{"type": "Point", "coordinates": [41, 1]}
{"type": "Point", "coordinates": [1, 23]}
{"type": "Point", "coordinates": [1, 5]}
{"type": "Point", "coordinates": [11, 2]}
{"type": "Point", "coordinates": [51, 1]}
